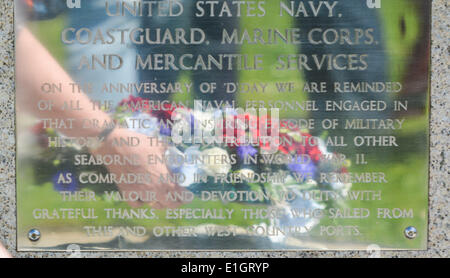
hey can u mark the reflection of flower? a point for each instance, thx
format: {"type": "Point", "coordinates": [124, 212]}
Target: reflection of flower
{"type": "Point", "coordinates": [138, 104]}
{"type": "Point", "coordinates": [64, 181]}
{"type": "Point", "coordinates": [196, 163]}
{"type": "Point", "coordinates": [41, 134]}
{"type": "Point", "coordinates": [314, 152]}
{"type": "Point", "coordinates": [187, 166]}
{"type": "Point", "coordinates": [248, 173]}
{"type": "Point", "coordinates": [302, 168]}
{"type": "Point", "coordinates": [341, 187]}
{"type": "Point", "coordinates": [151, 124]}
{"type": "Point", "coordinates": [246, 151]}
{"type": "Point", "coordinates": [191, 168]}
{"type": "Point", "coordinates": [131, 103]}
{"type": "Point", "coordinates": [165, 130]}
{"type": "Point", "coordinates": [212, 166]}
{"type": "Point", "coordinates": [190, 172]}
{"type": "Point", "coordinates": [165, 112]}
{"type": "Point", "coordinates": [203, 120]}
{"type": "Point", "coordinates": [192, 122]}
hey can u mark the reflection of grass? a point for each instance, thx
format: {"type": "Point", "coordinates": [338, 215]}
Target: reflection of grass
{"type": "Point", "coordinates": [406, 190]}
{"type": "Point", "coordinates": [413, 126]}
{"type": "Point", "coordinates": [271, 52]}
{"type": "Point", "coordinates": [406, 169]}
{"type": "Point", "coordinates": [401, 29]}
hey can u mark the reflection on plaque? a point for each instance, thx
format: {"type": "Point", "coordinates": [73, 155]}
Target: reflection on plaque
{"type": "Point", "coordinates": [222, 125]}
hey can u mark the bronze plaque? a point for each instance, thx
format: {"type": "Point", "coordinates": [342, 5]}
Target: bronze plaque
{"type": "Point", "coordinates": [222, 125]}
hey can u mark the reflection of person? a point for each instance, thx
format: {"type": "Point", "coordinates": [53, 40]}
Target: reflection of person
{"type": "Point", "coordinates": [212, 27]}
{"type": "Point", "coordinates": [92, 16]}
{"type": "Point", "coordinates": [3, 252]}
{"type": "Point", "coordinates": [355, 15]}
{"type": "Point", "coordinates": [36, 66]}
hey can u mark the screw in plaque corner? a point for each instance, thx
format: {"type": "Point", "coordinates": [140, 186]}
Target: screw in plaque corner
{"type": "Point", "coordinates": [411, 232]}
{"type": "Point", "coordinates": [34, 235]}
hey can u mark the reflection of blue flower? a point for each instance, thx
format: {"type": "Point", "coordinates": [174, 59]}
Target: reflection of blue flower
{"type": "Point", "coordinates": [59, 180]}
{"type": "Point", "coordinates": [188, 166]}
{"type": "Point", "coordinates": [302, 168]}
{"type": "Point", "coordinates": [192, 124]}
{"type": "Point", "coordinates": [246, 151]}
{"type": "Point", "coordinates": [165, 130]}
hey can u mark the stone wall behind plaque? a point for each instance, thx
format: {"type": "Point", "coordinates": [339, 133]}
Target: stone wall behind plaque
{"type": "Point", "coordinates": [438, 241]}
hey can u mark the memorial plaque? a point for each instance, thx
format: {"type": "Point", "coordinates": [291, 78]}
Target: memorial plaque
{"type": "Point", "coordinates": [222, 125]}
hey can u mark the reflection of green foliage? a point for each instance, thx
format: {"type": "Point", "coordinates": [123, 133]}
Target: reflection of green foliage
{"type": "Point", "coordinates": [414, 126]}
{"type": "Point", "coordinates": [58, 160]}
{"type": "Point", "coordinates": [401, 30]}
{"type": "Point", "coordinates": [49, 34]}
{"type": "Point", "coordinates": [406, 190]}
{"type": "Point", "coordinates": [270, 52]}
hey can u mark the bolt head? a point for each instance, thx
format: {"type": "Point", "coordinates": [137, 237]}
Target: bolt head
{"type": "Point", "coordinates": [34, 235]}
{"type": "Point", "coordinates": [411, 232]}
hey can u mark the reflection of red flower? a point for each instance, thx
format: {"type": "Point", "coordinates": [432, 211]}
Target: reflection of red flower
{"type": "Point", "coordinates": [38, 128]}
{"type": "Point", "coordinates": [263, 127]}
{"type": "Point", "coordinates": [131, 103]}
{"type": "Point", "coordinates": [136, 104]}
{"type": "Point", "coordinates": [287, 125]}
{"type": "Point", "coordinates": [305, 147]}
{"type": "Point", "coordinates": [314, 153]}
{"type": "Point", "coordinates": [247, 123]}
{"type": "Point", "coordinates": [311, 147]}
{"type": "Point", "coordinates": [41, 134]}
{"type": "Point", "coordinates": [286, 148]}
{"type": "Point", "coordinates": [236, 128]}
{"type": "Point", "coordinates": [165, 112]}
{"type": "Point", "coordinates": [259, 128]}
